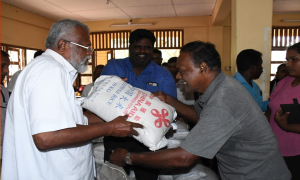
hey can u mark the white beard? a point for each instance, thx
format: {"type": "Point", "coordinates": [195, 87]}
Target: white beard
{"type": "Point", "coordinates": [80, 67]}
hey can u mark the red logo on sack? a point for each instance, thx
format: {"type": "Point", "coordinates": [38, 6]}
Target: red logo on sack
{"type": "Point", "coordinates": [161, 117]}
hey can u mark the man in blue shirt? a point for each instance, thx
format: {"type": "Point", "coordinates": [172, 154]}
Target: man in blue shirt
{"type": "Point", "coordinates": [141, 72]}
{"type": "Point", "coordinates": [249, 65]}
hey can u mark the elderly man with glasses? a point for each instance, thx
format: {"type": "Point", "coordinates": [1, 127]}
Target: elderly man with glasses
{"type": "Point", "coordinates": [47, 135]}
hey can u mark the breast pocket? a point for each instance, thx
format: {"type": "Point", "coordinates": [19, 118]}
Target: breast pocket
{"type": "Point", "coordinates": [152, 88]}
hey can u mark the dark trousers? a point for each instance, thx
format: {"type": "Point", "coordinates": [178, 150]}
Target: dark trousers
{"type": "Point", "coordinates": [293, 163]}
{"type": "Point", "coordinates": [132, 145]}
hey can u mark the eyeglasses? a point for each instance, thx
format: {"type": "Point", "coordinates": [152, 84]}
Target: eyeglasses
{"type": "Point", "coordinates": [85, 47]}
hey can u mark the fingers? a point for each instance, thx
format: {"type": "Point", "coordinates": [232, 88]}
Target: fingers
{"type": "Point", "coordinates": [124, 78]}
{"type": "Point", "coordinates": [154, 94]}
{"type": "Point", "coordinates": [137, 125]}
{"type": "Point", "coordinates": [134, 132]}
{"type": "Point", "coordinates": [125, 117]}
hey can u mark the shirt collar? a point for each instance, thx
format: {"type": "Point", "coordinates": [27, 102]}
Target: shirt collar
{"type": "Point", "coordinates": [241, 79]}
{"type": "Point", "coordinates": [150, 69]}
{"type": "Point", "coordinates": [212, 87]}
{"type": "Point", "coordinates": [72, 71]}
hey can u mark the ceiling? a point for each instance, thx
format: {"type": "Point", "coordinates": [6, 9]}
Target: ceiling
{"type": "Point", "coordinates": [95, 10]}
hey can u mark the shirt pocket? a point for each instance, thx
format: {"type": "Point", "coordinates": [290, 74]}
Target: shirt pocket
{"type": "Point", "coordinates": [151, 88]}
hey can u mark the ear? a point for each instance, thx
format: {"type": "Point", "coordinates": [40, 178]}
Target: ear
{"type": "Point", "coordinates": [61, 46]}
{"type": "Point", "coordinates": [251, 68]}
{"type": "Point", "coordinates": [203, 67]}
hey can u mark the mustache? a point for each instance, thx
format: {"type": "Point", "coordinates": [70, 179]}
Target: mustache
{"type": "Point", "coordinates": [85, 59]}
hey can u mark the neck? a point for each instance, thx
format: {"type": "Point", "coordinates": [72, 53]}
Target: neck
{"type": "Point", "coordinates": [247, 77]}
{"type": "Point", "coordinates": [138, 70]}
{"type": "Point", "coordinates": [210, 76]}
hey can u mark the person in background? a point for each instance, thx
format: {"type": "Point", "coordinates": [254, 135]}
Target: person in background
{"type": "Point", "coordinates": [5, 62]}
{"type": "Point", "coordinates": [184, 93]}
{"type": "Point", "coordinates": [47, 136]}
{"type": "Point", "coordinates": [249, 65]}
{"type": "Point", "coordinates": [143, 73]}
{"type": "Point", "coordinates": [287, 89]}
{"type": "Point", "coordinates": [237, 133]}
{"type": "Point", "coordinates": [172, 67]}
{"type": "Point", "coordinates": [38, 53]}
{"type": "Point", "coordinates": [157, 56]}
{"type": "Point", "coordinates": [96, 74]}
{"type": "Point", "coordinates": [164, 65]}
{"type": "Point", "coordinates": [280, 74]}
{"type": "Point", "coordinates": [13, 79]}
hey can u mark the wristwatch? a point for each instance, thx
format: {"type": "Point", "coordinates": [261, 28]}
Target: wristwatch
{"type": "Point", "coordinates": [127, 159]}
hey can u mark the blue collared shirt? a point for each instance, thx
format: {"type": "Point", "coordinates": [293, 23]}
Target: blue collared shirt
{"type": "Point", "coordinates": [153, 78]}
{"type": "Point", "coordinates": [254, 91]}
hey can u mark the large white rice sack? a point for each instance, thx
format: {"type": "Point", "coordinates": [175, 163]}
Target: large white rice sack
{"type": "Point", "coordinates": [111, 97]}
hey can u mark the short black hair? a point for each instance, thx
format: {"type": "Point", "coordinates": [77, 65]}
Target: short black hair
{"type": "Point", "coordinates": [247, 58]}
{"type": "Point", "coordinates": [140, 34]}
{"type": "Point", "coordinates": [295, 47]}
{"type": "Point", "coordinates": [4, 54]}
{"type": "Point", "coordinates": [280, 66]}
{"type": "Point", "coordinates": [164, 64]}
{"type": "Point", "coordinates": [203, 52]}
{"type": "Point", "coordinates": [156, 51]}
{"type": "Point", "coordinates": [38, 53]}
{"type": "Point", "coordinates": [172, 60]}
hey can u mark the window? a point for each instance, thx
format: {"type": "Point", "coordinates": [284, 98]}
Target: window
{"type": "Point", "coordinates": [282, 37]}
{"type": "Point", "coordinates": [169, 42]}
{"type": "Point", "coordinates": [19, 58]}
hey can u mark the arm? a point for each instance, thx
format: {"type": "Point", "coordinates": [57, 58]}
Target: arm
{"type": "Point", "coordinates": [163, 159]}
{"type": "Point", "coordinates": [82, 134]}
{"type": "Point", "coordinates": [93, 118]}
{"type": "Point", "coordinates": [281, 120]}
{"type": "Point", "coordinates": [185, 111]}
{"type": "Point", "coordinates": [268, 114]}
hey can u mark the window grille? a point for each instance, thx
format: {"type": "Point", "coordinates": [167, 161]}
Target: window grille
{"type": "Point", "coordinates": [168, 39]}
{"type": "Point", "coordinates": [165, 39]}
{"type": "Point", "coordinates": [283, 37]}
{"type": "Point", "coordinates": [110, 40]}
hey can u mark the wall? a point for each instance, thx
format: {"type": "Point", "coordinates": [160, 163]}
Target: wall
{"type": "Point", "coordinates": [195, 28]}
{"type": "Point", "coordinates": [23, 28]}
{"type": "Point", "coordinates": [277, 19]}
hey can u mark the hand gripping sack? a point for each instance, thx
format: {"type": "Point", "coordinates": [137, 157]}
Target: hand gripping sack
{"type": "Point", "coordinates": [111, 97]}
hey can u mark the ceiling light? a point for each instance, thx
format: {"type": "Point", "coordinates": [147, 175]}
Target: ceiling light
{"type": "Point", "coordinates": [131, 24]}
{"type": "Point", "coordinates": [291, 20]}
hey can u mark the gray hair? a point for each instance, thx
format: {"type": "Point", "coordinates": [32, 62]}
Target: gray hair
{"type": "Point", "coordinates": [60, 29]}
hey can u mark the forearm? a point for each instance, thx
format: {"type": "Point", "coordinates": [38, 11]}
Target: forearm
{"type": "Point", "coordinates": [187, 112]}
{"type": "Point", "coordinates": [268, 114]}
{"type": "Point", "coordinates": [70, 137]}
{"type": "Point", "coordinates": [295, 128]}
{"type": "Point", "coordinates": [164, 159]}
{"type": "Point", "coordinates": [92, 118]}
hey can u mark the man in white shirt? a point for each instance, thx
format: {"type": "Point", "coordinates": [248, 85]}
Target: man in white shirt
{"type": "Point", "coordinates": [5, 62]}
{"type": "Point", "coordinates": [47, 135]}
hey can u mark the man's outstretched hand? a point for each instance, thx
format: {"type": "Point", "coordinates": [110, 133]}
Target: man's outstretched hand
{"type": "Point", "coordinates": [122, 128]}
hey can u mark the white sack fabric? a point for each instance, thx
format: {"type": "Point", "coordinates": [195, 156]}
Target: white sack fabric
{"type": "Point", "coordinates": [111, 97]}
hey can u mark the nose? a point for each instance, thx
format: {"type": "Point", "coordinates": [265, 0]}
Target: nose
{"type": "Point", "coordinates": [142, 50]}
{"type": "Point", "coordinates": [178, 76]}
{"type": "Point", "coordinates": [289, 63]}
{"type": "Point", "coordinates": [89, 52]}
